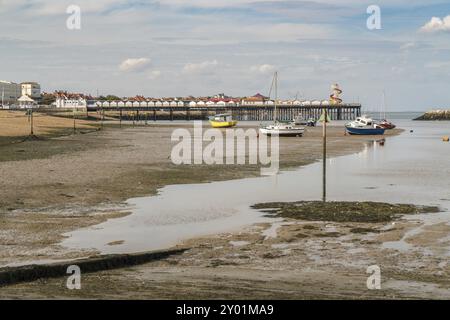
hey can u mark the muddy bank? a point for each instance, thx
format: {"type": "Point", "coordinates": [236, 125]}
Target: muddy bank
{"type": "Point", "coordinates": [114, 164]}
{"type": "Point", "coordinates": [59, 184]}
{"type": "Point", "coordinates": [13, 275]}
{"type": "Point", "coordinates": [286, 259]}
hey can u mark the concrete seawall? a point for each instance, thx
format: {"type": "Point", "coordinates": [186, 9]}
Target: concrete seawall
{"type": "Point", "coordinates": [13, 275]}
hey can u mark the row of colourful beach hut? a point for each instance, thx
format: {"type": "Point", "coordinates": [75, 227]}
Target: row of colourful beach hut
{"type": "Point", "coordinates": [221, 103]}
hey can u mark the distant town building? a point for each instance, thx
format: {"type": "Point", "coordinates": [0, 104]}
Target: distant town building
{"type": "Point", "coordinates": [221, 100]}
{"type": "Point", "coordinates": [62, 102]}
{"type": "Point", "coordinates": [31, 89]}
{"type": "Point", "coordinates": [73, 100]}
{"type": "Point", "coordinates": [10, 92]}
{"type": "Point", "coordinates": [257, 99]}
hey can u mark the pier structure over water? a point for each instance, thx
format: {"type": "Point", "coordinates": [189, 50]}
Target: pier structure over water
{"type": "Point", "coordinates": [240, 113]}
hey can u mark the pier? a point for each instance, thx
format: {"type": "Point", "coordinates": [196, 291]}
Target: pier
{"type": "Point", "coordinates": [240, 113]}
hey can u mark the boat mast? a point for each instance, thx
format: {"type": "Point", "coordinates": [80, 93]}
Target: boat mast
{"type": "Point", "coordinates": [275, 78]}
{"type": "Point", "coordinates": [384, 105]}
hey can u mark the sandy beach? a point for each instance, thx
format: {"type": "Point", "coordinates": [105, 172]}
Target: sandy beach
{"type": "Point", "coordinates": [61, 183]}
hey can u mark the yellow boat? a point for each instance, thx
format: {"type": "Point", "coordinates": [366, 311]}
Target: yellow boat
{"type": "Point", "coordinates": [222, 121]}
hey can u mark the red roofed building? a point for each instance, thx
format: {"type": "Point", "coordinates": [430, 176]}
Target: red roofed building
{"type": "Point", "coordinates": [257, 99]}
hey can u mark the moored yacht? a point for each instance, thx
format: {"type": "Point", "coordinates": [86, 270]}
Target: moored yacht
{"type": "Point", "coordinates": [281, 129]}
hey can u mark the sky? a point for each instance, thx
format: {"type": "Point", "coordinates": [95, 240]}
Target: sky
{"type": "Point", "coordinates": [205, 47]}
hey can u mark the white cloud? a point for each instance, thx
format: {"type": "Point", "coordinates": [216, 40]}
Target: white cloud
{"type": "Point", "coordinates": [408, 45]}
{"type": "Point", "coordinates": [200, 67]}
{"type": "Point", "coordinates": [437, 24]}
{"type": "Point", "coordinates": [51, 7]}
{"type": "Point", "coordinates": [263, 69]}
{"type": "Point", "coordinates": [134, 65]}
{"type": "Point", "coordinates": [438, 64]}
{"type": "Point", "coordinates": [155, 74]}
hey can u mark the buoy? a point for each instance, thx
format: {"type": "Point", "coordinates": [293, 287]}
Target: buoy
{"type": "Point", "coordinates": [445, 139]}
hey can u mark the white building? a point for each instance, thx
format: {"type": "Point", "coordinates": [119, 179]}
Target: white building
{"type": "Point", "coordinates": [26, 102]}
{"type": "Point", "coordinates": [10, 92]}
{"type": "Point", "coordinates": [31, 89]}
{"type": "Point", "coordinates": [75, 102]}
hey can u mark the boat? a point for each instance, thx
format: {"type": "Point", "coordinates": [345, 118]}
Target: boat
{"type": "Point", "coordinates": [364, 126]}
{"type": "Point", "coordinates": [299, 120]}
{"type": "Point", "coordinates": [385, 123]}
{"type": "Point", "coordinates": [282, 129]}
{"type": "Point", "coordinates": [222, 121]}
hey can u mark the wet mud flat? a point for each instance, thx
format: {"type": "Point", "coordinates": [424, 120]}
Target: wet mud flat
{"type": "Point", "coordinates": [293, 257]}
{"type": "Point", "coordinates": [58, 184]}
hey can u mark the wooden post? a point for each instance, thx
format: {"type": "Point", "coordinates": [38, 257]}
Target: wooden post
{"type": "Point", "coordinates": [74, 122]}
{"type": "Point", "coordinates": [102, 118]}
{"type": "Point", "coordinates": [31, 123]}
{"type": "Point", "coordinates": [120, 118]}
{"type": "Point", "coordinates": [324, 173]}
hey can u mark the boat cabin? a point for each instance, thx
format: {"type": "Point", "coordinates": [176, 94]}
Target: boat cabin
{"type": "Point", "coordinates": [226, 117]}
{"type": "Point", "coordinates": [364, 121]}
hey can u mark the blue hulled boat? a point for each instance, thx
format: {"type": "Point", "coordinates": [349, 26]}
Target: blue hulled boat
{"type": "Point", "coordinates": [364, 126]}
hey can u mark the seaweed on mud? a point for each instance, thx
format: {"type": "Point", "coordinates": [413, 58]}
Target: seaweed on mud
{"type": "Point", "coordinates": [342, 211]}
{"type": "Point", "coordinates": [364, 230]}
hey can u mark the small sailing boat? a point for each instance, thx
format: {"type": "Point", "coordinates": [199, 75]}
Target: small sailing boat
{"type": "Point", "coordinates": [222, 121]}
{"type": "Point", "coordinates": [299, 120]}
{"type": "Point", "coordinates": [364, 126]}
{"type": "Point", "coordinates": [282, 129]}
{"type": "Point", "coordinates": [383, 122]}
{"type": "Point", "coordinates": [386, 124]}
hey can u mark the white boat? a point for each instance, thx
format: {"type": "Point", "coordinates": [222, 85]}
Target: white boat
{"type": "Point", "coordinates": [282, 130]}
{"type": "Point", "coordinates": [364, 126]}
{"type": "Point", "coordinates": [279, 128]}
{"type": "Point", "coordinates": [299, 120]}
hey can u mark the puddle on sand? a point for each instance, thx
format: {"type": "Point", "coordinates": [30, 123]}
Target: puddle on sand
{"type": "Point", "coordinates": [410, 168]}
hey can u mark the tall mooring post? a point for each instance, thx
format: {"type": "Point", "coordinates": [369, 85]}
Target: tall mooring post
{"type": "Point", "coordinates": [102, 118]}
{"type": "Point", "coordinates": [324, 120]}
{"type": "Point", "coordinates": [31, 122]}
{"type": "Point", "coordinates": [74, 121]}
